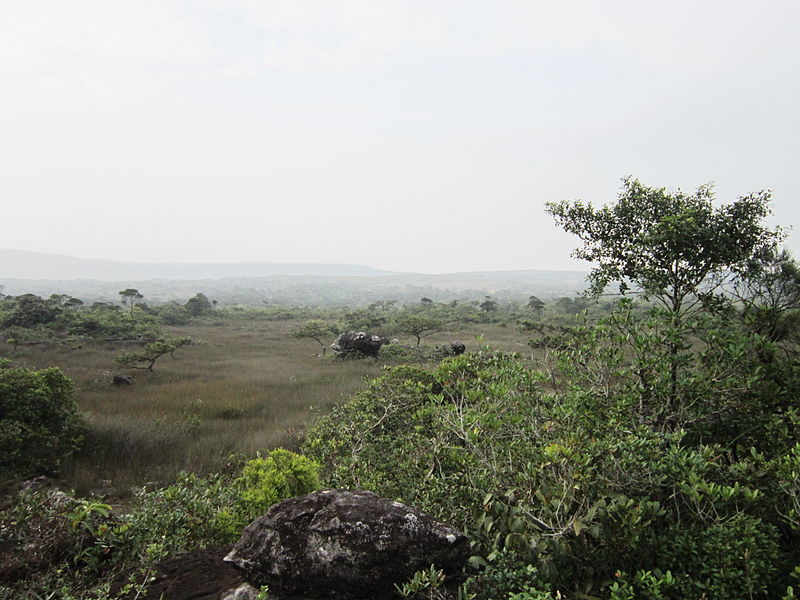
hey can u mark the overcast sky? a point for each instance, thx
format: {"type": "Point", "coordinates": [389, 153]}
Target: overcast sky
{"type": "Point", "coordinates": [416, 136]}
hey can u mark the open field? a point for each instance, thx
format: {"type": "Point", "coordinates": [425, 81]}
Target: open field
{"type": "Point", "coordinates": [240, 388]}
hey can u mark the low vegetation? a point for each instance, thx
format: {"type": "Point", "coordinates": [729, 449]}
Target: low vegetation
{"type": "Point", "coordinates": [648, 448]}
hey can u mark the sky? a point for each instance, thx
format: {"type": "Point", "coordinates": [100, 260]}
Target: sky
{"type": "Point", "coordinates": [412, 135]}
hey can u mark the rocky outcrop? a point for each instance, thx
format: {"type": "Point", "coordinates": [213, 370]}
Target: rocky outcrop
{"type": "Point", "coordinates": [345, 545]}
{"type": "Point", "coordinates": [357, 345]}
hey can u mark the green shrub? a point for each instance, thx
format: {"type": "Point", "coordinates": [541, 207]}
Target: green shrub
{"type": "Point", "coordinates": [191, 514]}
{"type": "Point", "coordinates": [56, 546]}
{"type": "Point", "coordinates": [279, 475]}
{"type": "Point", "coordinates": [736, 558]}
{"type": "Point", "coordinates": [39, 421]}
{"type": "Point", "coordinates": [586, 483]}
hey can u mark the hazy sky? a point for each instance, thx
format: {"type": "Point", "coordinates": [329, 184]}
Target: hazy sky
{"type": "Point", "coordinates": [416, 135]}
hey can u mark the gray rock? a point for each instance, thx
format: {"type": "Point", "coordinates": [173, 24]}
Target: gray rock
{"type": "Point", "coordinates": [344, 544]}
{"type": "Point", "coordinates": [457, 347]}
{"type": "Point", "coordinates": [357, 344]}
{"type": "Point", "coordinates": [243, 592]}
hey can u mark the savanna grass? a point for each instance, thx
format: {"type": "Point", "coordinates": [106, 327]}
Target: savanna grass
{"type": "Point", "coordinates": [241, 388]}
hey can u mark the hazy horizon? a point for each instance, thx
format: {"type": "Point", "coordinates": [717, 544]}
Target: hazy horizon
{"type": "Point", "coordinates": [408, 136]}
{"type": "Point", "coordinates": [33, 262]}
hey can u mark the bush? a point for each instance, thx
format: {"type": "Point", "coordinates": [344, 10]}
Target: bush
{"type": "Point", "coordinates": [737, 558]}
{"type": "Point", "coordinates": [191, 514]}
{"type": "Point", "coordinates": [39, 422]}
{"type": "Point", "coordinates": [582, 483]}
{"type": "Point", "coordinates": [280, 475]}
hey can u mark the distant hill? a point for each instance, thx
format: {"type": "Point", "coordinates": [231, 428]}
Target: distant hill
{"type": "Point", "coordinates": [21, 264]}
{"type": "Point", "coordinates": [280, 283]}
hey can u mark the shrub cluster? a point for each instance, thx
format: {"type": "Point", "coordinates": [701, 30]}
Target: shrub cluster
{"type": "Point", "coordinates": [73, 548]}
{"type": "Point", "coordinates": [39, 421]}
{"type": "Point", "coordinates": [599, 476]}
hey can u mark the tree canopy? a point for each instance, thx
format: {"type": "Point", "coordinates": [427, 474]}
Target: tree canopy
{"type": "Point", "coordinates": [673, 247]}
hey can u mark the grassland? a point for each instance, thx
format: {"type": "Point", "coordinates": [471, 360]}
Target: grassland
{"type": "Point", "coordinates": [240, 388]}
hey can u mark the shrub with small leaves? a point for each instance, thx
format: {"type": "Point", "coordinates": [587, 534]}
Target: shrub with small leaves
{"type": "Point", "coordinates": [279, 475]}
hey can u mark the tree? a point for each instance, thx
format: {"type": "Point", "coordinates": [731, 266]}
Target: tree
{"type": "Point", "coordinates": [74, 303]}
{"type": "Point", "coordinates": [488, 305]}
{"type": "Point", "coordinates": [39, 421]}
{"type": "Point", "coordinates": [418, 324]}
{"type": "Point", "coordinates": [315, 329]}
{"type": "Point", "coordinates": [146, 359]}
{"type": "Point", "coordinates": [536, 305]}
{"type": "Point", "coordinates": [31, 310]}
{"type": "Point", "coordinates": [769, 297]}
{"type": "Point", "coordinates": [130, 297]}
{"type": "Point", "coordinates": [198, 305]}
{"type": "Point", "coordinates": [674, 248]}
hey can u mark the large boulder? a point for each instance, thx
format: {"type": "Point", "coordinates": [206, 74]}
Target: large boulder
{"type": "Point", "coordinates": [357, 344]}
{"type": "Point", "coordinates": [342, 544]}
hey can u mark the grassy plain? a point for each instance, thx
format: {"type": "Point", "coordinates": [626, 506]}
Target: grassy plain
{"type": "Point", "coordinates": [240, 388]}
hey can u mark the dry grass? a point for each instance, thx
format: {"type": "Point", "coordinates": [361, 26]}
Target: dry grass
{"type": "Point", "coordinates": [240, 388]}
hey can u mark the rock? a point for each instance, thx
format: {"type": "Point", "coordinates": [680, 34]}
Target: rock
{"type": "Point", "coordinates": [342, 544]}
{"type": "Point", "coordinates": [198, 575]}
{"type": "Point", "coordinates": [121, 380]}
{"type": "Point", "coordinates": [457, 347]}
{"type": "Point", "coordinates": [243, 592]}
{"type": "Point", "coordinates": [357, 344]}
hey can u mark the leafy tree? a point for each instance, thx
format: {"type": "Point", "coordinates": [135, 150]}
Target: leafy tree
{"type": "Point", "coordinates": [31, 310]}
{"type": "Point", "coordinates": [365, 320]}
{"type": "Point", "coordinates": [488, 305]}
{"type": "Point", "coordinates": [39, 422]}
{"type": "Point", "coordinates": [74, 303]}
{"type": "Point", "coordinates": [147, 357]}
{"type": "Point", "coordinates": [676, 248]}
{"type": "Point", "coordinates": [198, 305]}
{"type": "Point", "coordinates": [536, 305]}
{"type": "Point", "coordinates": [130, 297]}
{"type": "Point", "coordinates": [315, 329]}
{"type": "Point", "coordinates": [572, 306]}
{"type": "Point", "coordinates": [769, 296]}
{"type": "Point", "coordinates": [417, 323]}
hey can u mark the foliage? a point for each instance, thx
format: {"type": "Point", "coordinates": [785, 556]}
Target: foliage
{"type": "Point", "coordinates": [131, 298]}
{"type": "Point", "coordinates": [39, 421]}
{"type": "Point", "coordinates": [536, 305]}
{"type": "Point", "coordinates": [677, 249]}
{"type": "Point", "coordinates": [29, 311]}
{"type": "Point", "coordinates": [173, 313]}
{"type": "Point", "coordinates": [198, 305]}
{"type": "Point", "coordinates": [77, 545]}
{"type": "Point", "coordinates": [29, 318]}
{"type": "Point", "coordinates": [147, 357]}
{"type": "Point", "coordinates": [584, 482]}
{"type": "Point", "coordinates": [418, 323]}
{"type": "Point", "coordinates": [769, 296]}
{"type": "Point", "coordinates": [315, 329]}
{"type": "Point", "coordinates": [192, 513]}
{"type": "Point", "coordinates": [279, 475]}
{"type": "Point", "coordinates": [672, 246]}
